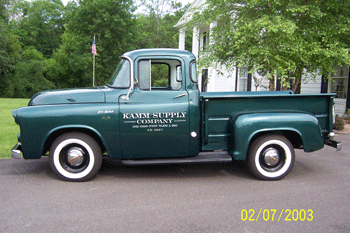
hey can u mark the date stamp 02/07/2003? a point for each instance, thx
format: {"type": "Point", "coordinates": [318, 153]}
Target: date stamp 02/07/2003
{"type": "Point", "coordinates": [286, 215]}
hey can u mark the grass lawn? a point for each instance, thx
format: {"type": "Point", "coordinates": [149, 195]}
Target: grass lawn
{"type": "Point", "coordinates": [8, 127]}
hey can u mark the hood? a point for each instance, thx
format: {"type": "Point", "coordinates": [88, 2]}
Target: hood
{"type": "Point", "coordinates": [73, 96]}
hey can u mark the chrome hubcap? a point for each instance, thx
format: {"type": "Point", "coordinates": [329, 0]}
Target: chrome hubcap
{"type": "Point", "coordinates": [75, 156]}
{"type": "Point", "coordinates": [271, 156]}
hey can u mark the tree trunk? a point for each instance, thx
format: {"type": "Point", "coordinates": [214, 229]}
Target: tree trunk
{"type": "Point", "coordinates": [271, 81]}
{"type": "Point", "coordinates": [297, 81]}
{"type": "Point", "coordinates": [298, 77]}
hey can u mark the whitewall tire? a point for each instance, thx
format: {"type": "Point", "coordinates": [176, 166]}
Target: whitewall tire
{"type": "Point", "coordinates": [75, 157]}
{"type": "Point", "coordinates": [271, 157]}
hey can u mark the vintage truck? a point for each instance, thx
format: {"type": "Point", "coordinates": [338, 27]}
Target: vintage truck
{"type": "Point", "coordinates": [140, 118]}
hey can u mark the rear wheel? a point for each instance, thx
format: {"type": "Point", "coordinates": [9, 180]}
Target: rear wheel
{"type": "Point", "coordinates": [271, 157]}
{"type": "Point", "coordinates": [75, 157]}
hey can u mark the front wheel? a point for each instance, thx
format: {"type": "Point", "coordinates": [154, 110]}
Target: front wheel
{"type": "Point", "coordinates": [271, 157]}
{"type": "Point", "coordinates": [75, 157]}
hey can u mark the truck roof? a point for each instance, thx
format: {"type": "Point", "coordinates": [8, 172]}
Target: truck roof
{"type": "Point", "coordinates": [159, 52]}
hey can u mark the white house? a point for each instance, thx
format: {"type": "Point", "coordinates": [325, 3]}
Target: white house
{"type": "Point", "coordinates": [240, 80]}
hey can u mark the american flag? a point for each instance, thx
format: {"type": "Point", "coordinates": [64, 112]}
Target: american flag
{"type": "Point", "coordinates": [93, 47]}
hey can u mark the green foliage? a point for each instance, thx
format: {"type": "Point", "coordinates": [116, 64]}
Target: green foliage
{"type": "Point", "coordinates": [160, 75]}
{"type": "Point", "coordinates": [283, 38]}
{"type": "Point", "coordinates": [8, 127]}
{"type": "Point", "coordinates": [10, 49]}
{"type": "Point", "coordinates": [29, 74]}
{"type": "Point", "coordinates": [3, 47]}
{"type": "Point", "coordinates": [113, 24]}
{"type": "Point", "coordinates": [29, 35]}
{"type": "Point", "coordinates": [45, 45]}
{"type": "Point", "coordinates": [3, 12]}
{"type": "Point", "coordinates": [155, 26]}
{"type": "Point", "coordinates": [40, 24]}
{"type": "Point", "coordinates": [69, 66]}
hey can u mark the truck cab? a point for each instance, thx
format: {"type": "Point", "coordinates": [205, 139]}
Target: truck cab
{"type": "Point", "coordinates": [160, 104]}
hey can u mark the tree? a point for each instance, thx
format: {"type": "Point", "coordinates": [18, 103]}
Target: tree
{"type": "Point", "coordinates": [3, 39]}
{"type": "Point", "coordinates": [112, 22]}
{"type": "Point", "coordinates": [155, 27]}
{"type": "Point", "coordinates": [29, 74]}
{"type": "Point", "coordinates": [156, 24]}
{"type": "Point", "coordinates": [30, 32]}
{"type": "Point", "coordinates": [3, 12]}
{"type": "Point", "coordinates": [38, 23]}
{"type": "Point", "coordinates": [278, 38]}
{"type": "Point", "coordinates": [71, 66]}
{"type": "Point", "coordinates": [8, 63]}
{"type": "Point", "coordinates": [10, 49]}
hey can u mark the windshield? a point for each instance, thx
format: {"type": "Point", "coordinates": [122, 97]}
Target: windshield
{"type": "Point", "coordinates": [121, 76]}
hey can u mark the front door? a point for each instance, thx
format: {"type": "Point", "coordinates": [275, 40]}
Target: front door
{"type": "Point", "coordinates": [155, 118]}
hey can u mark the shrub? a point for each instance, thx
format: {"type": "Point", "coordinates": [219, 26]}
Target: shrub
{"type": "Point", "coordinates": [339, 123]}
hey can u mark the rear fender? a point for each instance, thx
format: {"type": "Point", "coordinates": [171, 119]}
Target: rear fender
{"type": "Point", "coordinates": [246, 127]}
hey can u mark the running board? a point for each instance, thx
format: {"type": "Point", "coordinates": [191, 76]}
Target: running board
{"type": "Point", "coordinates": [204, 157]}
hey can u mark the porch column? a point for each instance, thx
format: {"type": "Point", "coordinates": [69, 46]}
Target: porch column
{"type": "Point", "coordinates": [182, 38]}
{"type": "Point", "coordinates": [212, 26]}
{"type": "Point", "coordinates": [213, 75]}
{"type": "Point", "coordinates": [195, 42]}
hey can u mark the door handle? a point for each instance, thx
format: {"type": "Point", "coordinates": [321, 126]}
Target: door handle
{"type": "Point", "coordinates": [178, 96]}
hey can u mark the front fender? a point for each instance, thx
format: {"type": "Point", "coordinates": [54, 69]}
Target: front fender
{"type": "Point", "coordinates": [51, 135]}
{"type": "Point", "coordinates": [38, 123]}
{"type": "Point", "coordinates": [245, 127]}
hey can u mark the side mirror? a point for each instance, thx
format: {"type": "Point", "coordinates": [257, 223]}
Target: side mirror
{"type": "Point", "coordinates": [131, 88]}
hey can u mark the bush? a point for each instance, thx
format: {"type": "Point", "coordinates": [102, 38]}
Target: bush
{"type": "Point", "coordinates": [339, 123]}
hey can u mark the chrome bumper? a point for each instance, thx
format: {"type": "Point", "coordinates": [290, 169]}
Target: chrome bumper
{"type": "Point", "coordinates": [16, 152]}
{"type": "Point", "coordinates": [333, 143]}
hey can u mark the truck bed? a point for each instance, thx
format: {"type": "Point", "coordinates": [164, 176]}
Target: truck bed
{"type": "Point", "coordinates": [219, 109]}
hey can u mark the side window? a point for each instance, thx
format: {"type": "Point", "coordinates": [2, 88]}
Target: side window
{"type": "Point", "coordinates": [145, 74]}
{"type": "Point", "coordinates": [160, 74]}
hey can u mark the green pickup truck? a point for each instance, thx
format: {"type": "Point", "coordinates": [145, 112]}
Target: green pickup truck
{"type": "Point", "coordinates": [151, 112]}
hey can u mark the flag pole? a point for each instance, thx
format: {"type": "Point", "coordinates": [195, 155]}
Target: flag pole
{"type": "Point", "coordinates": [94, 52]}
{"type": "Point", "coordinates": [93, 72]}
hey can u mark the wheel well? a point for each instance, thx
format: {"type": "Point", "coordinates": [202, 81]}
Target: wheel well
{"type": "Point", "coordinates": [292, 136]}
{"type": "Point", "coordinates": [59, 132]}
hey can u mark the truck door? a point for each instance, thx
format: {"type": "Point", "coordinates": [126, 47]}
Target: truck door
{"type": "Point", "coordinates": [155, 118]}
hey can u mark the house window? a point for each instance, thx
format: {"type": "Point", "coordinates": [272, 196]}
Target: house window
{"type": "Point", "coordinates": [204, 80]}
{"type": "Point", "coordinates": [339, 83]}
{"type": "Point", "coordinates": [245, 80]}
{"type": "Point", "coordinates": [205, 40]}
